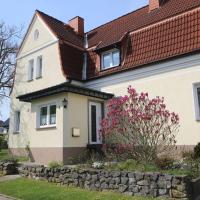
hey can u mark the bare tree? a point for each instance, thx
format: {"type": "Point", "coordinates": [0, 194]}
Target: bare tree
{"type": "Point", "coordinates": [9, 38]}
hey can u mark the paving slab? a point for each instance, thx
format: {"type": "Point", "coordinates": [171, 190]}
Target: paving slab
{"type": "Point", "coordinates": [3, 197]}
{"type": "Point", "coordinates": [9, 178]}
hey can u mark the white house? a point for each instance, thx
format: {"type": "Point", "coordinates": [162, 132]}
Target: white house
{"type": "Point", "coordinates": [64, 76]}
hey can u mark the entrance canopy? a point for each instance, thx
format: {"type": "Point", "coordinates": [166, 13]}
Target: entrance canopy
{"type": "Point", "coordinates": [62, 88]}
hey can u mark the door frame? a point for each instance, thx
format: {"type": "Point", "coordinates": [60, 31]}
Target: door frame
{"type": "Point", "coordinates": [99, 106]}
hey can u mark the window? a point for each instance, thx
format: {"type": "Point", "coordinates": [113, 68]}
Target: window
{"type": "Point", "coordinates": [196, 88]}
{"type": "Point", "coordinates": [39, 67]}
{"type": "Point", "coordinates": [36, 34]}
{"type": "Point", "coordinates": [110, 59]}
{"type": "Point", "coordinates": [31, 70]}
{"type": "Point", "coordinates": [52, 114]}
{"type": "Point", "coordinates": [43, 116]}
{"type": "Point", "coordinates": [47, 116]}
{"type": "Point", "coordinates": [17, 122]}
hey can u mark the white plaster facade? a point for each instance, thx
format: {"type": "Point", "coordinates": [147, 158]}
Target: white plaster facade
{"type": "Point", "coordinates": [174, 80]}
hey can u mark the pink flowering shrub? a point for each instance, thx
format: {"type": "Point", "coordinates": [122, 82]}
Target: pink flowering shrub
{"type": "Point", "coordinates": [138, 127]}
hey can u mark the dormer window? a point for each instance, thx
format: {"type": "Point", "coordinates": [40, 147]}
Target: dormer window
{"type": "Point", "coordinates": [110, 59]}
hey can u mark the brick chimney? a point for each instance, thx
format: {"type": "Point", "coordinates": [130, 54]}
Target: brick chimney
{"type": "Point", "coordinates": [77, 23]}
{"type": "Point", "coordinates": [153, 4]}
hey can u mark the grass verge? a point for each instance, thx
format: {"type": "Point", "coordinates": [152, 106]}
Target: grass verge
{"type": "Point", "coordinates": [5, 155]}
{"type": "Point", "coordinates": [27, 189]}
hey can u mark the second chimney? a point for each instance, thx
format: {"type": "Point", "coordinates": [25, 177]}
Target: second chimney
{"type": "Point", "coordinates": [153, 4]}
{"type": "Point", "coordinates": [77, 23]}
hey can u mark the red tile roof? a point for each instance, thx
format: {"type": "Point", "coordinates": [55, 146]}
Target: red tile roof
{"type": "Point", "coordinates": [71, 46]}
{"type": "Point", "coordinates": [61, 30]}
{"type": "Point", "coordinates": [72, 61]}
{"type": "Point", "coordinates": [172, 37]}
{"type": "Point", "coordinates": [169, 31]}
{"type": "Point", "coordinates": [112, 31]}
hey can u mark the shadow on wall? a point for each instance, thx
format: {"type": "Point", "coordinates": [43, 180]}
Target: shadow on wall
{"type": "Point", "coordinates": [13, 137]}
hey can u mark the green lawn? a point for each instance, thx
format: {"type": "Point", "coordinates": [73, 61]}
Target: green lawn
{"type": "Point", "coordinates": [27, 189]}
{"type": "Point", "coordinates": [5, 155]}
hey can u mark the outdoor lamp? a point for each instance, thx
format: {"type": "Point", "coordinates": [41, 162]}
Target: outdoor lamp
{"type": "Point", "coordinates": [65, 102]}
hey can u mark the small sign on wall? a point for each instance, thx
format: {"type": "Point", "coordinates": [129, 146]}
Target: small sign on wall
{"type": "Point", "coordinates": [75, 132]}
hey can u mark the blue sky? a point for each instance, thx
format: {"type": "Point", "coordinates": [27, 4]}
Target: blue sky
{"type": "Point", "coordinates": [95, 13]}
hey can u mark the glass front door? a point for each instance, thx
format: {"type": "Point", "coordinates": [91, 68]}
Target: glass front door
{"type": "Point", "coordinates": [95, 117]}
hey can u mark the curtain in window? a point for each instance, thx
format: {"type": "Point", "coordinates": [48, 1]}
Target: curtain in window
{"type": "Point", "coordinates": [43, 116]}
{"type": "Point", "coordinates": [53, 114]}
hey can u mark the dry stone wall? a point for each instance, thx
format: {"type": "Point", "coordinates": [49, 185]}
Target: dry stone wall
{"type": "Point", "coordinates": [129, 183]}
{"type": "Point", "coordinates": [8, 168]}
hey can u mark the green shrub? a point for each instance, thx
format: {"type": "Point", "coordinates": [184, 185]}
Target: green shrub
{"type": "Point", "coordinates": [131, 165]}
{"type": "Point", "coordinates": [3, 143]}
{"type": "Point", "coordinates": [164, 162]}
{"type": "Point", "coordinates": [197, 151]}
{"type": "Point", "coordinates": [55, 164]}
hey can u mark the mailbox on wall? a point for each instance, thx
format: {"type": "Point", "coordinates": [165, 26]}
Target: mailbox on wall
{"type": "Point", "coordinates": [75, 132]}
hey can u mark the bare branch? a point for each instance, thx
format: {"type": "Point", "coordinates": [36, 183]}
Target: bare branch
{"type": "Point", "coordinates": [9, 38]}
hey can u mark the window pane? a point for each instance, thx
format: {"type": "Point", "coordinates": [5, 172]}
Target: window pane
{"type": "Point", "coordinates": [43, 116]}
{"type": "Point", "coordinates": [17, 121]}
{"type": "Point", "coordinates": [40, 66]}
{"type": "Point", "coordinates": [116, 58]}
{"type": "Point", "coordinates": [31, 70]}
{"type": "Point", "coordinates": [53, 114]}
{"type": "Point", "coordinates": [107, 61]}
{"type": "Point", "coordinates": [198, 92]}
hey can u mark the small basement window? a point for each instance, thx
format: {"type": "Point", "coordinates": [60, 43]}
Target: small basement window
{"type": "Point", "coordinates": [110, 59]}
{"type": "Point", "coordinates": [47, 116]}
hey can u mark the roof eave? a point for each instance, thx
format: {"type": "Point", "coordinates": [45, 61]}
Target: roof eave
{"type": "Point", "coordinates": [64, 88]}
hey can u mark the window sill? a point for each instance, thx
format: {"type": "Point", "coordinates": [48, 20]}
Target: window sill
{"type": "Point", "coordinates": [39, 77]}
{"type": "Point", "coordinates": [16, 132]}
{"type": "Point", "coordinates": [46, 127]}
{"type": "Point", "coordinates": [30, 80]}
{"type": "Point", "coordinates": [107, 69]}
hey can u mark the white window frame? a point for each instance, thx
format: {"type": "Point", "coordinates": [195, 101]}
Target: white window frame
{"type": "Point", "coordinates": [17, 116]}
{"type": "Point", "coordinates": [39, 68]}
{"type": "Point", "coordinates": [110, 52]}
{"type": "Point", "coordinates": [48, 116]}
{"type": "Point", "coordinates": [196, 101]}
{"type": "Point", "coordinates": [31, 70]}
